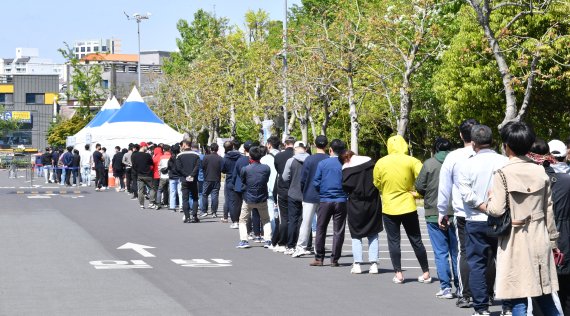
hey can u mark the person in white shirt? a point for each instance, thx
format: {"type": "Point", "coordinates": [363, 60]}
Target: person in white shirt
{"type": "Point", "coordinates": [475, 180]}
{"type": "Point", "coordinates": [269, 159]}
{"type": "Point", "coordinates": [448, 193]}
{"type": "Point", "coordinates": [86, 162]}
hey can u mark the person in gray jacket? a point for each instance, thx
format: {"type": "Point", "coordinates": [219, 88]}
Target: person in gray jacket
{"type": "Point", "coordinates": [292, 175]}
{"type": "Point", "coordinates": [443, 240]}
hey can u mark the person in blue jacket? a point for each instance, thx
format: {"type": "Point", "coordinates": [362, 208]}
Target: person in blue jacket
{"type": "Point", "coordinates": [328, 182]}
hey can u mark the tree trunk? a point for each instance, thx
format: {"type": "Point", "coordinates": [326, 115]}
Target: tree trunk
{"type": "Point", "coordinates": [354, 126]}
{"type": "Point", "coordinates": [405, 105]}
{"type": "Point", "coordinates": [313, 128]}
{"type": "Point", "coordinates": [327, 115]}
{"type": "Point", "coordinates": [510, 97]}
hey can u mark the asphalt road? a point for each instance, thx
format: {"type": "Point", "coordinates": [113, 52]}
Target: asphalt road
{"type": "Point", "coordinates": [59, 257]}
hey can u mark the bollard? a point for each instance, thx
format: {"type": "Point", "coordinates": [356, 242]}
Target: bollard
{"type": "Point", "coordinates": [111, 178]}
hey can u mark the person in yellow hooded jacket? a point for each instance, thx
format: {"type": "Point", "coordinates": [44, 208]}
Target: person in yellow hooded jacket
{"type": "Point", "coordinates": [394, 176]}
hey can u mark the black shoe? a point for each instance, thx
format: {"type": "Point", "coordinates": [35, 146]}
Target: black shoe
{"type": "Point", "coordinates": [214, 215]}
{"type": "Point", "coordinates": [186, 220]}
{"type": "Point", "coordinates": [491, 300]}
{"type": "Point", "coordinates": [195, 220]}
{"type": "Point", "coordinates": [463, 302]}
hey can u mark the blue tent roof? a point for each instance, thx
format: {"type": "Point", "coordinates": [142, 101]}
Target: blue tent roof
{"type": "Point", "coordinates": [102, 117]}
{"type": "Point", "coordinates": [135, 111]}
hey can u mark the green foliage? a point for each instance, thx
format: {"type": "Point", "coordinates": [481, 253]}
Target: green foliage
{"type": "Point", "coordinates": [58, 132]}
{"type": "Point", "coordinates": [7, 126]}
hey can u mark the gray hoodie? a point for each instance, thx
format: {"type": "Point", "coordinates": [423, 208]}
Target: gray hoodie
{"type": "Point", "coordinates": [292, 175]}
{"type": "Point", "coordinates": [560, 167]}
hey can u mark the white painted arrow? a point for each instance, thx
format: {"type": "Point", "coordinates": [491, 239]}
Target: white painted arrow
{"type": "Point", "coordinates": [138, 248]}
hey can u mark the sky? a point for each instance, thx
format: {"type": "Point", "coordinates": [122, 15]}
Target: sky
{"type": "Point", "coordinates": [47, 24]}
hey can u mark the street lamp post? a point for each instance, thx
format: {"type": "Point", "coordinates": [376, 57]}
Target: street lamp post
{"type": "Point", "coordinates": [138, 18]}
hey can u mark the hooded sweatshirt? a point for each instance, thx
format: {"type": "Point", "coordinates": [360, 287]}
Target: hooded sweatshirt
{"type": "Point", "coordinates": [228, 166]}
{"type": "Point", "coordinates": [156, 160]}
{"type": "Point", "coordinates": [427, 184]}
{"type": "Point", "coordinates": [292, 175]}
{"type": "Point", "coordinates": [394, 176]}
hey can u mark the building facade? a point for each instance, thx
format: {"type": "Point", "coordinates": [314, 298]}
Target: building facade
{"type": "Point", "coordinates": [27, 61]}
{"type": "Point", "coordinates": [30, 100]}
{"type": "Point", "coordinates": [101, 46]}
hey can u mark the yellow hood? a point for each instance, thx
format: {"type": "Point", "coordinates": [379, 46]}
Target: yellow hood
{"type": "Point", "coordinates": [397, 145]}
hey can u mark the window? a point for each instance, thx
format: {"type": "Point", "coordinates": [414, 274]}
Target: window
{"type": "Point", "coordinates": [105, 84]}
{"type": "Point", "coordinates": [104, 48]}
{"type": "Point", "coordinates": [35, 98]}
{"type": "Point", "coordinates": [77, 49]}
{"type": "Point", "coordinates": [83, 49]}
{"type": "Point", "coordinates": [96, 48]}
{"type": "Point", "coordinates": [6, 98]}
{"type": "Point", "coordinates": [88, 49]}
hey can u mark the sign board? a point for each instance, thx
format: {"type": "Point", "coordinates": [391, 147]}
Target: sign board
{"type": "Point", "coordinates": [88, 138]}
{"type": "Point", "coordinates": [19, 116]}
{"type": "Point", "coordinates": [70, 141]}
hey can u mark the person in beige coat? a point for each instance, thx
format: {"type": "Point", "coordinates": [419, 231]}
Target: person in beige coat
{"type": "Point", "coordinates": [525, 263]}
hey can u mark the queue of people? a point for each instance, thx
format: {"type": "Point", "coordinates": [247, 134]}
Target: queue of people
{"type": "Point", "coordinates": [272, 193]}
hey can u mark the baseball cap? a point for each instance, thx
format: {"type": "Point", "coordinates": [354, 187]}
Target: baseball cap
{"type": "Point", "coordinates": [299, 144]}
{"type": "Point", "coordinates": [247, 145]}
{"type": "Point", "coordinates": [143, 144]}
{"type": "Point", "coordinates": [321, 141]}
{"type": "Point", "coordinates": [557, 148]}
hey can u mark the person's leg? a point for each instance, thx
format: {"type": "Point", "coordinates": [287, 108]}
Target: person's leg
{"type": "Point", "coordinates": [339, 224]}
{"type": "Point", "coordinates": [173, 188]}
{"type": "Point", "coordinates": [491, 268]}
{"type": "Point", "coordinates": [265, 220]}
{"type": "Point", "coordinates": [546, 305]}
{"type": "Point", "coordinates": [256, 222]}
{"type": "Point", "coordinates": [477, 257]}
{"type": "Point", "coordinates": [392, 227]}
{"type": "Point", "coordinates": [438, 239]}
{"type": "Point", "coordinates": [106, 177]}
{"type": "Point", "coordinates": [357, 250]}
{"type": "Point", "coordinates": [245, 213]}
{"type": "Point", "coordinates": [453, 249]}
{"type": "Point", "coordinates": [206, 191]}
{"type": "Point", "coordinates": [140, 193]}
{"type": "Point", "coordinates": [185, 197]}
{"type": "Point", "coordinates": [75, 176]}
{"type": "Point", "coordinates": [271, 212]}
{"type": "Point", "coordinates": [195, 197]}
{"type": "Point", "coordinates": [200, 198]}
{"type": "Point", "coordinates": [325, 212]}
{"type": "Point", "coordinates": [305, 229]}
{"type": "Point", "coordinates": [519, 306]}
{"type": "Point", "coordinates": [283, 202]}
{"type": "Point", "coordinates": [564, 292]}
{"type": "Point", "coordinates": [463, 266]}
{"type": "Point", "coordinates": [227, 202]}
{"type": "Point", "coordinates": [373, 248]}
{"type": "Point", "coordinates": [128, 179]}
{"type": "Point", "coordinates": [46, 173]}
{"type": "Point", "coordinates": [295, 213]}
{"type": "Point", "coordinates": [411, 225]}
{"type": "Point", "coordinates": [215, 197]}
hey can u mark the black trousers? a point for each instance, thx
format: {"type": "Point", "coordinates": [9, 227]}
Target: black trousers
{"type": "Point", "coordinates": [68, 176]}
{"type": "Point", "coordinates": [411, 225]}
{"type": "Point", "coordinates": [227, 201]}
{"type": "Point", "coordinates": [564, 292]}
{"type": "Point", "coordinates": [326, 211]}
{"type": "Point", "coordinates": [295, 218]}
{"type": "Point", "coordinates": [462, 262]}
{"type": "Point", "coordinates": [106, 177]}
{"type": "Point", "coordinates": [189, 190]}
{"type": "Point", "coordinates": [128, 174]}
{"type": "Point", "coordinates": [134, 183]}
{"type": "Point", "coordinates": [99, 175]}
{"type": "Point", "coordinates": [282, 233]}
{"type": "Point", "coordinates": [235, 210]}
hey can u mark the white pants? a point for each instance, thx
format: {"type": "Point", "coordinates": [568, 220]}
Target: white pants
{"type": "Point", "coordinates": [309, 210]}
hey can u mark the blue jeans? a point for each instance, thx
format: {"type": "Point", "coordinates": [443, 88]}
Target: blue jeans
{"type": "Point", "coordinates": [545, 304]}
{"type": "Point", "coordinates": [211, 188]}
{"type": "Point", "coordinates": [444, 244]}
{"type": "Point", "coordinates": [200, 190]}
{"type": "Point", "coordinates": [481, 253]}
{"type": "Point", "coordinates": [174, 187]}
{"type": "Point", "coordinates": [372, 249]}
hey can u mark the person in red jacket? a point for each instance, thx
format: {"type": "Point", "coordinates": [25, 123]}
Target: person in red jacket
{"type": "Point", "coordinates": [157, 155]}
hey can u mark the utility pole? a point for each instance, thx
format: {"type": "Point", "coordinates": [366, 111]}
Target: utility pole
{"type": "Point", "coordinates": [284, 55]}
{"type": "Point", "coordinates": [138, 18]}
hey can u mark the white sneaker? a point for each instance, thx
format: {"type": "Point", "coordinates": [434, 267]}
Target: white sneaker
{"type": "Point", "coordinates": [425, 281]}
{"type": "Point", "coordinates": [279, 249]}
{"type": "Point", "coordinates": [299, 251]}
{"type": "Point", "coordinates": [234, 226]}
{"type": "Point", "coordinates": [373, 268]}
{"type": "Point", "coordinates": [289, 251]}
{"type": "Point", "coordinates": [356, 268]}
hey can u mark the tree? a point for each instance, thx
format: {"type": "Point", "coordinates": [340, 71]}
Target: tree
{"type": "Point", "coordinates": [86, 81]}
{"type": "Point", "coordinates": [58, 132]}
{"type": "Point", "coordinates": [532, 28]}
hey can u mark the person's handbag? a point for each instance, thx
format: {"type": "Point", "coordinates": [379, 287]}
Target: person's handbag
{"type": "Point", "coordinates": [558, 258]}
{"type": "Point", "coordinates": [501, 226]}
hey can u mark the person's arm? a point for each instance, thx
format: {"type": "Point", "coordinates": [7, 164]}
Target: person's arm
{"type": "Point", "coordinates": [196, 169]}
{"type": "Point", "coordinates": [553, 233]}
{"type": "Point", "coordinates": [497, 201]}
{"type": "Point", "coordinates": [465, 185]}
{"type": "Point", "coordinates": [287, 171]}
{"type": "Point", "coordinates": [444, 188]}
{"type": "Point", "coordinates": [417, 167]}
{"type": "Point", "coordinates": [178, 164]}
{"type": "Point", "coordinates": [318, 178]}
{"type": "Point", "coordinates": [243, 177]}
{"type": "Point", "coordinates": [377, 176]}
{"type": "Point", "coordinates": [304, 176]}
{"type": "Point", "coordinates": [422, 180]}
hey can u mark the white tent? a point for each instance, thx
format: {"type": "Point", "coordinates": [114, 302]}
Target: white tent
{"type": "Point", "coordinates": [134, 123]}
{"type": "Point", "coordinates": [85, 135]}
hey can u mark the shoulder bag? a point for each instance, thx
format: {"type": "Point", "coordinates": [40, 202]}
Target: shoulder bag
{"type": "Point", "coordinates": [501, 226]}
